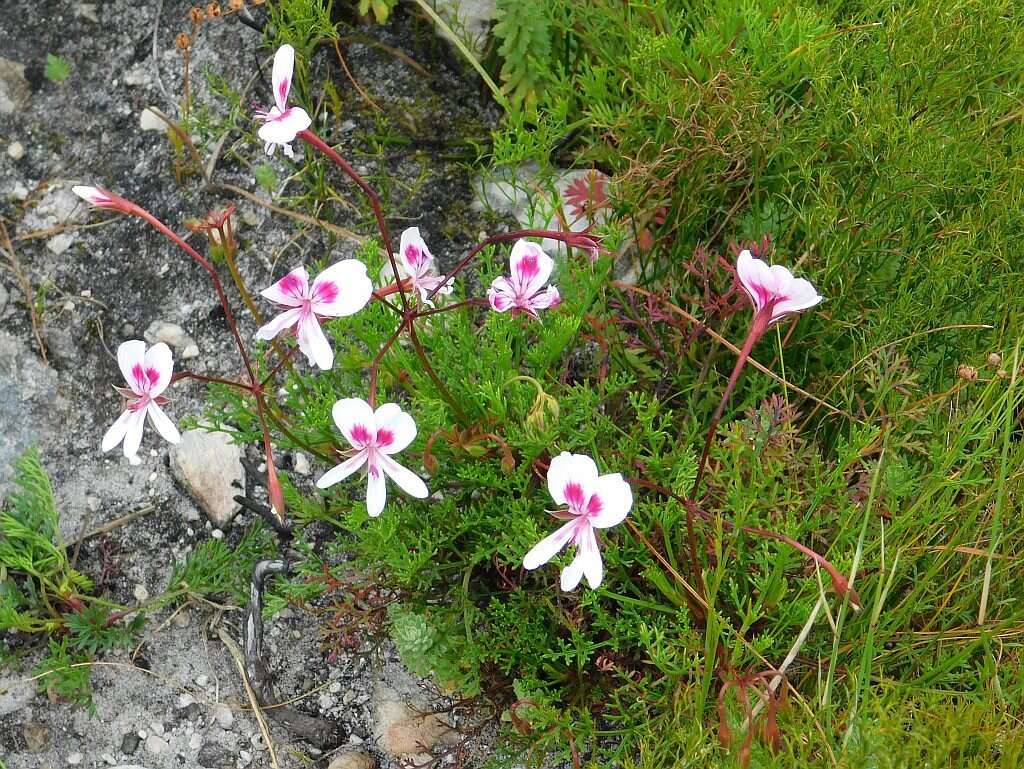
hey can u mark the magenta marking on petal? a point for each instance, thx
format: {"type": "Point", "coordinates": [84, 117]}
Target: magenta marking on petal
{"type": "Point", "coordinates": [360, 434]}
{"type": "Point", "coordinates": [139, 375]}
{"type": "Point", "coordinates": [574, 495]}
{"type": "Point", "coordinates": [153, 376]}
{"type": "Point", "coordinates": [594, 505]}
{"type": "Point", "coordinates": [291, 284]}
{"type": "Point", "coordinates": [326, 292]}
{"type": "Point", "coordinates": [414, 256]}
{"type": "Point", "coordinates": [527, 268]}
{"type": "Point", "coordinates": [385, 438]}
{"type": "Point", "coordinates": [282, 89]}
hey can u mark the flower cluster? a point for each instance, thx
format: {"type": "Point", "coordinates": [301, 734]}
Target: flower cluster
{"type": "Point", "coordinates": [587, 500]}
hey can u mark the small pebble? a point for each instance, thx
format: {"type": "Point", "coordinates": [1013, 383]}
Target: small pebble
{"type": "Point", "coordinates": [141, 594]}
{"type": "Point", "coordinates": [75, 758]}
{"type": "Point", "coordinates": [155, 745]}
{"type": "Point", "coordinates": [202, 680]}
{"type": "Point", "coordinates": [108, 759]}
{"type": "Point", "coordinates": [224, 716]}
{"type": "Point", "coordinates": [157, 727]}
{"type": "Point", "coordinates": [15, 150]}
{"type": "Point", "coordinates": [217, 534]}
{"type": "Point", "coordinates": [130, 743]}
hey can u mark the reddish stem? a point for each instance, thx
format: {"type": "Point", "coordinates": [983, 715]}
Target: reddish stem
{"type": "Point", "coordinates": [757, 328]}
{"type": "Point", "coordinates": [378, 213]}
{"type": "Point", "coordinates": [211, 379]}
{"type": "Point", "coordinates": [375, 366]}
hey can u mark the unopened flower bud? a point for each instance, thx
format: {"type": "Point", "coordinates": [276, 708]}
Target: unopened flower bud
{"type": "Point", "coordinates": [182, 41]}
{"type": "Point", "coordinates": [236, 5]}
{"type": "Point", "coordinates": [195, 14]}
{"type": "Point", "coordinates": [212, 10]}
{"type": "Point", "coordinates": [967, 373]}
{"type": "Point", "coordinates": [994, 359]}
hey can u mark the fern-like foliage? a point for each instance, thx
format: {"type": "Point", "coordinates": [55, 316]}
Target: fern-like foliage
{"type": "Point", "coordinates": [524, 32]}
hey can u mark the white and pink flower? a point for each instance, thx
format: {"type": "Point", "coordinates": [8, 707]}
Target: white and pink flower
{"type": "Point", "coordinates": [417, 264]}
{"type": "Point", "coordinates": [147, 373]}
{"type": "Point", "coordinates": [342, 289]}
{"type": "Point", "coordinates": [773, 289]}
{"type": "Point", "coordinates": [594, 502]}
{"type": "Point", "coordinates": [101, 198]}
{"type": "Point", "coordinates": [281, 123]}
{"type": "Point", "coordinates": [526, 290]}
{"type": "Point", "coordinates": [376, 436]}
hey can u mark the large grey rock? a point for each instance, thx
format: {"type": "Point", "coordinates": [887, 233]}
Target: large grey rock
{"type": "Point", "coordinates": [209, 467]}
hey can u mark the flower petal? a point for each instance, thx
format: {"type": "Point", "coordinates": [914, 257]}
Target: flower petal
{"type": "Point", "coordinates": [756, 278]}
{"type": "Point", "coordinates": [281, 76]}
{"type": "Point", "coordinates": [284, 127]}
{"type": "Point", "coordinates": [115, 433]}
{"type": "Point", "coordinates": [342, 471]}
{"type": "Point", "coordinates": [131, 359]}
{"type": "Point", "coordinates": [799, 295]}
{"type": "Point", "coordinates": [501, 295]}
{"type": "Point", "coordinates": [395, 428]}
{"type": "Point", "coordinates": [291, 290]}
{"type": "Point", "coordinates": [416, 257]}
{"type": "Point", "coordinates": [548, 547]}
{"type": "Point", "coordinates": [610, 501]}
{"type": "Point", "coordinates": [163, 424]}
{"type": "Point", "coordinates": [313, 342]}
{"type": "Point", "coordinates": [587, 562]}
{"type": "Point", "coordinates": [342, 289]}
{"type": "Point", "coordinates": [571, 479]}
{"type": "Point", "coordinates": [546, 299]}
{"type": "Point", "coordinates": [406, 479]}
{"type": "Point", "coordinates": [376, 491]}
{"type": "Point", "coordinates": [133, 435]}
{"type": "Point", "coordinates": [355, 421]}
{"type": "Point", "coordinates": [159, 366]}
{"type": "Point", "coordinates": [531, 267]}
{"type": "Point", "coordinates": [278, 323]}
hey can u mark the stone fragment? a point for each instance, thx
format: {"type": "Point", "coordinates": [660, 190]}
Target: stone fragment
{"type": "Point", "coordinates": [60, 243]}
{"type": "Point", "coordinates": [130, 743]}
{"type": "Point", "coordinates": [74, 759]}
{"type": "Point", "coordinates": [213, 755]}
{"type": "Point", "coordinates": [401, 731]}
{"type": "Point", "coordinates": [14, 88]}
{"type": "Point", "coordinates": [156, 745]}
{"type": "Point", "coordinates": [209, 467]}
{"type": "Point", "coordinates": [36, 736]}
{"type": "Point", "coordinates": [4, 296]}
{"type": "Point", "coordinates": [223, 715]}
{"type": "Point", "coordinates": [352, 759]}
{"type": "Point", "coordinates": [15, 693]}
{"type": "Point", "coordinates": [15, 150]}
{"type": "Point", "coordinates": [300, 463]}
{"type": "Point", "coordinates": [149, 120]}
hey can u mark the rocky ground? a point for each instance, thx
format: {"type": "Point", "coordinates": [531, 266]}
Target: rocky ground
{"type": "Point", "coordinates": [98, 280]}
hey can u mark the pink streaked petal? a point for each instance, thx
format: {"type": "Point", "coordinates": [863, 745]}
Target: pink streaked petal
{"type": "Point", "coordinates": [115, 433]}
{"type": "Point", "coordinates": [342, 289]}
{"type": "Point", "coordinates": [282, 128]}
{"type": "Point", "coordinates": [755, 277]}
{"type": "Point", "coordinates": [281, 75]}
{"type": "Point", "coordinates": [611, 501]}
{"type": "Point", "coordinates": [416, 257]}
{"type": "Point", "coordinates": [500, 295]}
{"type": "Point", "coordinates": [340, 472]}
{"type": "Point", "coordinates": [131, 359]}
{"type": "Point", "coordinates": [159, 365]}
{"type": "Point", "coordinates": [565, 469]}
{"type": "Point", "coordinates": [800, 295]}
{"type": "Point", "coordinates": [405, 478]}
{"type": "Point", "coordinates": [531, 267]}
{"type": "Point", "coordinates": [278, 323]}
{"type": "Point", "coordinates": [94, 195]}
{"type": "Point", "coordinates": [162, 423]}
{"type": "Point", "coordinates": [546, 299]}
{"type": "Point", "coordinates": [291, 290]}
{"type": "Point", "coordinates": [376, 491]}
{"type": "Point", "coordinates": [313, 342]}
{"type": "Point", "coordinates": [398, 425]}
{"type": "Point", "coordinates": [350, 414]}
{"type": "Point", "coordinates": [549, 547]}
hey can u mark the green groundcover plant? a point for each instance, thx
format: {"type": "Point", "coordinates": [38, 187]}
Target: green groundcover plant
{"type": "Point", "coordinates": [811, 582]}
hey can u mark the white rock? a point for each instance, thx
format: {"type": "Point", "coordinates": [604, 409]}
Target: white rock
{"type": "Point", "coordinates": [15, 150]}
{"type": "Point", "coordinates": [149, 120]}
{"type": "Point", "coordinates": [401, 731]}
{"type": "Point", "coordinates": [14, 89]}
{"type": "Point", "coordinates": [58, 244]}
{"type": "Point", "coordinates": [88, 12]}
{"type": "Point", "coordinates": [74, 759]}
{"type": "Point", "coordinates": [3, 298]}
{"type": "Point", "coordinates": [244, 757]}
{"type": "Point", "coordinates": [202, 680]}
{"type": "Point", "coordinates": [190, 351]}
{"type": "Point", "coordinates": [470, 20]}
{"type": "Point", "coordinates": [156, 745]}
{"type": "Point", "coordinates": [141, 593]}
{"type": "Point", "coordinates": [168, 333]}
{"type": "Point", "coordinates": [19, 191]}
{"type": "Point", "coordinates": [15, 693]}
{"type": "Point", "coordinates": [156, 727]}
{"type": "Point", "coordinates": [301, 464]}
{"type": "Point", "coordinates": [137, 76]}
{"type": "Point", "coordinates": [352, 759]}
{"type": "Point", "coordinates": [223, 715]}
{"type": "Point", "coordinates": [208, 465]}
